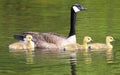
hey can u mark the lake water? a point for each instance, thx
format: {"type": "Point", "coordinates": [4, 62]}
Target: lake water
{"type": "Point", "coordinates": [101, 19]}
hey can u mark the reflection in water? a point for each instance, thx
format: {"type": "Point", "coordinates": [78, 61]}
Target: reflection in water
{"type": "Point", "coordinates": [109, 55]}
{"type": "Point", "coordinates": [87, 57]}
{"type": "Point", "coordinates": [73, 61]}
{"type": "Point", "coordinates": [49, 51]}
{"type": "Point", "coordinates": [29, 55]}
{"type": "Point", "coordinates": [71, 54]}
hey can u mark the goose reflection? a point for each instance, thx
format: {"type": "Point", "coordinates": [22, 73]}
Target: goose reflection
{"type": "Point", "coordinates": [73, 61]}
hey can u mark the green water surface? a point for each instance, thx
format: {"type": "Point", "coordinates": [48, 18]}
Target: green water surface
{"type": "Point", "coordinates": [101, 19]}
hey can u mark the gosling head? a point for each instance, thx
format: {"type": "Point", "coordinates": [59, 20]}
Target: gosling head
{"type": "Point", "coordinates": [29, 38]}
{"type": "Point", "coordinates": [78, 7]}
{"type": "Point", "coordinates": [87, 39]}
{"type": "Point", "coordinates": [109, 39]}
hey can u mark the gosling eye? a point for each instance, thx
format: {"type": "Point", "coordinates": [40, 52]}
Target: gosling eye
{"type": "Point", "coordinates": [29, 37]}
{"type": "Point", "coordinates": [111, 38]}
{"type": "Point", "coordinates": [88, 38]}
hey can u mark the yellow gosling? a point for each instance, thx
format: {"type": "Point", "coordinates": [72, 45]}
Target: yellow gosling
{"type": "Point", "coordinates": [28, 44]}
{"type": "Point", "coordinates": [84, 46]}
{"type": "Point", "coordinates": [102, 46]}
{"type": "Point", "coordinates": [76, 46]}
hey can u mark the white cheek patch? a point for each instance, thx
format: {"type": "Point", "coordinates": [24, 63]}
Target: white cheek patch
{"type": "Point", "coordinates": [75, 9]}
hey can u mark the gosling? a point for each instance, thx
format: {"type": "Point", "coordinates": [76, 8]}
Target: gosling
{"type": "Point", "coordinates": [102, 46]}
{"type": "Point", "coordinates": [28, 44]}
{"type": "Point", "coordinates": [76, 46]}
{"type": "Point", "coordinates": [84, 46]}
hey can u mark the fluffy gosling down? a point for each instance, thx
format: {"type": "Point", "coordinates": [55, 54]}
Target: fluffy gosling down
{"type": "Point", "coordinates": [23, 45]}
{"type": "Point", "coordinates": [76, 46]}
{"type": "Point", "coordinates": [102, 46]}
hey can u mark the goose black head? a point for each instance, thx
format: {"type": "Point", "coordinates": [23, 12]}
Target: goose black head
{"type": "Point", "coordinates": [78, 7]}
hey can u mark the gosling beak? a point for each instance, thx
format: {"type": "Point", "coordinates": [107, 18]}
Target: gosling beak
{"type": "Point", "coordinates": [34, 40]}
{"type": "Point", "coordinates": [91, 41]}
{"type": "Point", "coordinates": [113, 39]}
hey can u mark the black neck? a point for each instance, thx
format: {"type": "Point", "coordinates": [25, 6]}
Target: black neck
{"type": "Point", "coordinates": [72, 23]}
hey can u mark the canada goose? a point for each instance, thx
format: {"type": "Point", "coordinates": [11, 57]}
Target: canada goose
{"type": "Point", "coordinates": [76, 46]}
{"type": "Point", "coordinates": [102, 46]}
{"type": "Point", "coordinates": [52, 40]}
{"type": "Point", "coordinates": [28, 44]}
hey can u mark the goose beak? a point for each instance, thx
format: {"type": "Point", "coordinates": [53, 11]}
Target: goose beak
{"type": "Point", "coordinates": [82, 8]}
{"type": "Point", "coordinates": [78, 7]}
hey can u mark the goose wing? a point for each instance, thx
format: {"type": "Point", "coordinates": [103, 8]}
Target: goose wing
{"type": "Point", "coordinates": [48, 37]}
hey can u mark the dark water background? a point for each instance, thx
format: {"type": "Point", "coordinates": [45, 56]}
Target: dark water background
{"type": "Point", "coordinates": [101, 19]}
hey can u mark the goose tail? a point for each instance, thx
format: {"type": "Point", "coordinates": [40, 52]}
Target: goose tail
{"type": "Point", "coordinates": [19, 37]}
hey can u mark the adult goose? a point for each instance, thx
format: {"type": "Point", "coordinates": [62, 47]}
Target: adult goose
{"type": "Point", "coordinates": [52, 40]}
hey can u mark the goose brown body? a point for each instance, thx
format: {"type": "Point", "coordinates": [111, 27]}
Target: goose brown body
{"type": "Point", "coordinates": [47, 40]}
